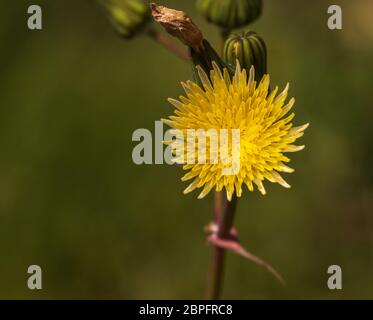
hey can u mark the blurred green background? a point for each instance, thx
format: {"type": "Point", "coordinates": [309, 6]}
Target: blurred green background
{"type": "Point", "coordinates": [73, 202]}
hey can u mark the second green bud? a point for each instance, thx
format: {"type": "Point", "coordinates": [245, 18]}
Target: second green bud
{"type": "Point", "coordinates": [249, 49]}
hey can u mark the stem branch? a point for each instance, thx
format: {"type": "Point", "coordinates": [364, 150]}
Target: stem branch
{"type": "Point", "coordinates": [168, 44]}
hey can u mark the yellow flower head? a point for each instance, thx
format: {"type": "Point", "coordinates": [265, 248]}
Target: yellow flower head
{"type": "Point", "coordinates": [237, 103]}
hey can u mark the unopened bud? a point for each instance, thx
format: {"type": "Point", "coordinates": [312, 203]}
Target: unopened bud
{"type": "Point", "coordinates": [249, 49]}
{"type": "Point", "coordinates": [230, 14]}
{"type": "Point", "coordinates": [127, 16]}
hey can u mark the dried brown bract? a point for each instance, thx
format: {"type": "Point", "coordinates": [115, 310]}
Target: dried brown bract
{"type": "Point", "coordinates": [180, 25]}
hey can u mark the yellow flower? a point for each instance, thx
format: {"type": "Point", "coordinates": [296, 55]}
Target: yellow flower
{"type": "Point", "coordinates": [237, 103]}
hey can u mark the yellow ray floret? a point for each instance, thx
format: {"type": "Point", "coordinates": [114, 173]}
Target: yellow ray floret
{"type": "Point", "coordinates": [263, 120]}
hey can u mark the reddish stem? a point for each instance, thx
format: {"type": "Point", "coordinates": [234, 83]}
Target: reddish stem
{"type": "Point", "coordinates": [224, 211]}
{"type": "Point", "coordinates": [168, 44]}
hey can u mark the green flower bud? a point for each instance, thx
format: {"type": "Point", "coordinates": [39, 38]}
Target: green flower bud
{"type": "Point", "coordinates": [230, 14]}
{"type": "Point", "coordinates": [127, 16]}
{"type": "Point", "coordinates": [249, 49]}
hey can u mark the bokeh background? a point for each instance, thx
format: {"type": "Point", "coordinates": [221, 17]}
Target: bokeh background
{"type": "Point", "coordinates": [73, 202]}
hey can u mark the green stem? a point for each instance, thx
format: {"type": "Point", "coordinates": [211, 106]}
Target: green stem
{"type": "Point", "coordinates": [227, 210]}
{"type": "Point", "coordinates": [224, 34]}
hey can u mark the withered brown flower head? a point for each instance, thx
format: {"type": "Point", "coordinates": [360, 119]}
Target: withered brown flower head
{"type": "Point", "coordinates": [178, 24]}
